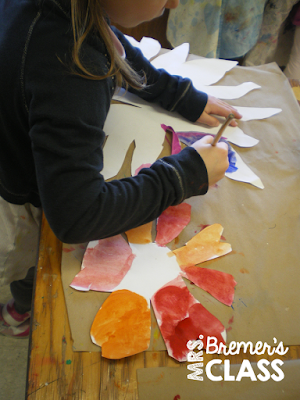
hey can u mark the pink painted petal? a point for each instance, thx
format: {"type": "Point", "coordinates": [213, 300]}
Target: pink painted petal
{"type": "Point", "coordinates": [141, 167]}
{"type": "Point", "coordinates": [171, 222]}
{"type": "Point", "coordinates": [104, 265]}
{"type": "Point", "coordinates": [219, 284]}
{"type": "Point", "coordinates": [182, 318]}
{"type": "Point", "coordinates": [176, 146]}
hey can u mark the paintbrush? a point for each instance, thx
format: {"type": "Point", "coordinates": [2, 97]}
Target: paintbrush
{"type": "Point", "coordinates": [222, 129]}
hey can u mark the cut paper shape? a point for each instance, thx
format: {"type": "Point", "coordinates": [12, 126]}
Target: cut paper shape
{"type": "Point", "coordinates": [150, 270]}
{"type": "Point", "coordinates": [122, 326]}
{"type": "Point", "coordinates": [104, 265]}
{"type": "Point", "coordinates": [230, 92]}
{"type": "Point", "coordinates": [219, 284]}
{"type": "Point", "coordinates": [237, 169]}
{"type": "Point", "coordinates": [188, 138]}
{"type": "Point", "coordinates": [202, 247]}
{"type": "Point", "coordinates": [178, 55]}
{"type": "Point", "coordinates": [202, 71]}
{"type": "Point", "coordinates": [176, 146]}
{"type": "Point", "coordinates": [251, 113]}
{"type": "Point", "coordinates": [140, 235]}
{"type": "Point", "coordinates": [171, 222]}
{"type": "Point", "coordinates": [244, 174]}
{"type": "Point", "coordinates": [148, 46]}
{"type": "Point", "coordinates": [181, 318]}
{"type": "Point", "coordinates": [125, 124]}
{"type": "Point", "coordinates": [156, 114]}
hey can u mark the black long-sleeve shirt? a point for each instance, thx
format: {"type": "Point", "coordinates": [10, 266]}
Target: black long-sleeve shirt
{"type": "Point", "coordinates": [51, 129]}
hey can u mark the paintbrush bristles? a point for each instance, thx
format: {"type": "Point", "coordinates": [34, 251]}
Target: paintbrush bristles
{"type": "Point", "coordinates": [222, 129]}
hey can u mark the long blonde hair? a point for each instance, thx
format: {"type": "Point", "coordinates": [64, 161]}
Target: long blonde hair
{"type": "Point", "coordinates": [89, 17]}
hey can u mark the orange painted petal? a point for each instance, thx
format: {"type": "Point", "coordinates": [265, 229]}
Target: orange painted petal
{"type": "Point", "coordinates": [122, 326]}
{"type": "Point", "coordinates": [204, 246]}
{"type": "Point", "coordinates": [140, 235]}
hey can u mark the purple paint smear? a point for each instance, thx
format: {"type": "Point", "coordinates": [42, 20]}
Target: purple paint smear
{"type": "Point", "coordinates": [188, 138]}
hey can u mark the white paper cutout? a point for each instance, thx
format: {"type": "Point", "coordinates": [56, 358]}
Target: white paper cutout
{"type": "Point", "coordinates": [202, 72]}
{"type": "Point", "coordinates": [244, 173]}
{"type": "Point", "coordinates": [150, 270]}
{"type": "Point", "coordinates": [251, 113]}
{"type": "Point", "coordinates": [123, 125]}
{"type": "Point", "coordinates": [234, 135]}
{"type": "Point", "coordinates": [171, 58]}
{"type": "Point", "coordinates": [230, 92]}
{"type": "Point", "coordinates": [148, 46]}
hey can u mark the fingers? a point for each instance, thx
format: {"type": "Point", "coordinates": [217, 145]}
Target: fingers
{"type": "Point", "coordinates": [214, 157]}
{"type": "Point", "coordinates": [217, 107]}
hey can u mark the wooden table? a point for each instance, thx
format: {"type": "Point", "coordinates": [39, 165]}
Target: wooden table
{"type": "Point", "coordinates": [56, 372]}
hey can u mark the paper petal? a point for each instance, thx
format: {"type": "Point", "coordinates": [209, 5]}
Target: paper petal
{"type": "Point", "coordinates": [104, 265]}
{"type": "Point", "coordinates": [171, 222]}
{"type": "Point", "coordinates": [140, 235]}
{"type": "Point", "coordinates": [204, 246]}
{"type": "Point", "coordinates": [122, 326]}
{"type": "Point", "coordinates": [182, 318]}
{"type": "Point", "coordinates": [148, 46]}
{"type": "Point", "coordinates": [230, 92]}
{"type": "Point", "coordinates": [176, 56]}
{"type": "Point", "coordinates": [219, 284]}
{"type": "Point", "coordinates": [244, 173]}
{"type": "Point", "coordinates": [204, 71]}
{"type": "Point", "coordinates": [251, 113]}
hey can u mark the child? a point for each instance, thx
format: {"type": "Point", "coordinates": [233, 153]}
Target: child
{"type": "Point", "coordinates": [60, 64]}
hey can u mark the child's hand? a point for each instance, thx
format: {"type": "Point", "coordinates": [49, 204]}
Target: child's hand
{"type": "Point", "coordinates": [214, 157]}
{"type": "Point", "coordinates": [217, 107]}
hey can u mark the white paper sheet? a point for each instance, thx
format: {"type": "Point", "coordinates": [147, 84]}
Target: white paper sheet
{"type": "Point", "coordinates": [151, 269]}
{"type": "Point", "coordinates": [148, 46]}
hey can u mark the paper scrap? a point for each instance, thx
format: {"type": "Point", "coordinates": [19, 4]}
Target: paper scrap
{"type": "Point", "coordinates": [182, 318]}
{"type": "Point", "coordinates": [202, 247]}
{"type": "Point", "coordinates": [122, 326]}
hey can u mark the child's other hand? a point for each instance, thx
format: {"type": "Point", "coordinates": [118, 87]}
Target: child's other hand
{"type": "Point", "coordinates": [217, 107]}
{"type": "Point", "coordinates": [214, 157]}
